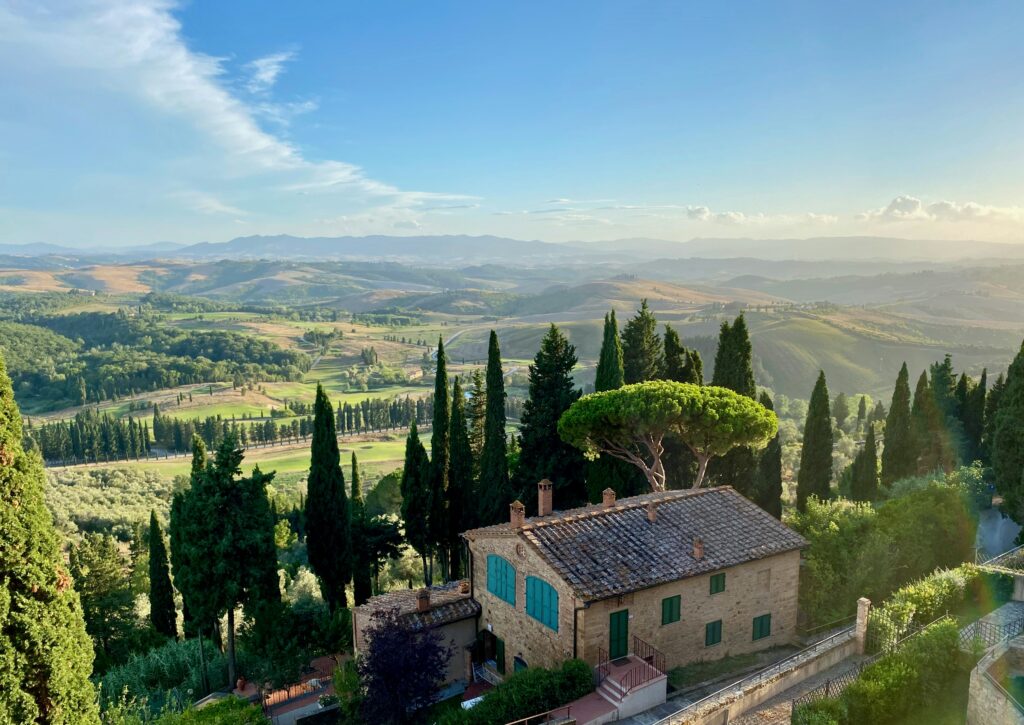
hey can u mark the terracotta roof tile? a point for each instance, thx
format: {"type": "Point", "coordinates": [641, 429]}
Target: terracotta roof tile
{"type": "Point", "coordinates": [448, 603]}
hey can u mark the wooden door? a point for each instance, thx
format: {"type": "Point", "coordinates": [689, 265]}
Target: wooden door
{"type": "Point", "coordinates": [618, 634]}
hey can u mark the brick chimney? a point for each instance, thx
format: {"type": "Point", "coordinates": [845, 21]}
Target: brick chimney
{"type": "Point", "coordinates": [652, 512]}
{"type": "Point", "coordinates": [698, 548]}
{"type": "Point", "coordinates": [608, 498]}
{"type": "Point", "coordinates": [544, 497]}
{"type": "Point", "coordinates": [517, 515]}
{"type": "Point", "coordinates": [423, 600]}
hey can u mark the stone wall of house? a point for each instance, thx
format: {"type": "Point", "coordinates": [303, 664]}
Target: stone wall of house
{"type": "Point", "coordinates": [751, 590]}
{"type": "Point", "coordinates": [536, 644]}
{"type": "Point", "coordinates": [459, 635]}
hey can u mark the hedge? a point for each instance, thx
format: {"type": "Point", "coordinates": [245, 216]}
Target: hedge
{"type": "Point", "coordinates": [527, 692]}
{"type": "Point", "coordinates": [927, 599]}
{"type": "Point", "coordinates": [898, 683]}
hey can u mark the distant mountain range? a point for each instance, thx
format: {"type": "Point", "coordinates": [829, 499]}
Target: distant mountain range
{"type": "Point", "coordinates": [458, 250]}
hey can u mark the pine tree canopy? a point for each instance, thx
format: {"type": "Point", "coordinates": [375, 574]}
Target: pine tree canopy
{"type": "Point", "coordinates": [45, 653]}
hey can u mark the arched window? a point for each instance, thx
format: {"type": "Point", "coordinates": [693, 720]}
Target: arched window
{"type": "Point", "coordinates": [542, 602]}
{"type": "Point", "coordinates": [501, 578]}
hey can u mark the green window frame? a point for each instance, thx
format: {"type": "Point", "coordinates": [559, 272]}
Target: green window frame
{"type": "Point", "coordinates": [713, 633]}
{"type": "Point", "coordinates": [542, 602]}
{"type": "Point", "coordinates": [670, 609]}
{"type": "Point", "coordinates": [501, 579]}
{"type": "Point", "coordinates": [762, 626]}
{"type": "Point", "coordinates": [718, 583]}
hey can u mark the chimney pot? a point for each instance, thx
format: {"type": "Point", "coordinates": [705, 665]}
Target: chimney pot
{"type": "Point", "coordinates": [652, 512]}
{"type": "Point", "coordinates": [464, 586]}
{"type": "Point", "coordinates": [698, 548]}
{"type": "Point", "coordinates": [517, 515]}
{"type": "Point", "coordinates": [608, 498]}
{"type": "Point", "coordinates": [544, 505]}
{"type": "Point", "coordinates": [423, 600]}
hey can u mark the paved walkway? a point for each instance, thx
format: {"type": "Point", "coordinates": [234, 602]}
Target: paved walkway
{"type": "Point", "coordinates": [776, 711]}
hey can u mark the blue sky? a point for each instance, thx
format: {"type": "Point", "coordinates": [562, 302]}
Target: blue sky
{"type": "Point", "coordinates": [130, 123]}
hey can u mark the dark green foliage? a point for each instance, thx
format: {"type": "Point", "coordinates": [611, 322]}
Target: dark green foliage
{"type": "Point", "coordinates": [543, 454]}
{"type": "Point", "coordinates": [988, 435]}
{"type": "Point", "coordinates": [416, 498]}
{"type": "Point", "coordinates": [841, 409]}
{"type": "Point", "coordinates": [944, 387]}
{"type": "Point", "coordinates": [440, 442]}
{"type": "Point", "coordinates": [526, 693]}
{"type": "Point", "coordinates": [864, 480]}
{"type": "Point", "coordinates": [45, 652]}
{"type": "Point", "coordinates": [899, 455]}
{"type": "Point", "coordinates": [857, 550]}
{"type": "Point", "coordinates": [162, 613]}
{"type": "Point", "coordinates": [734, 370]}
{"type": "Point", "coordinates": [605, 471]}
{"type": "Point", "coordinates": [642, 357]}
{"type": "Point", "coordinates": [1007, 449]}
{"type": "Point", "coordinates": [224, 553]}
{"type": "Point", "coordinates": [609, 374]}
{"type": "Point", "coordinates": [734, 367]}
{"type": "Point", "coordinates": [101, 576]}
{"type": "Point", "coordinates": [494, 490]}
{"type": "Point", "coordinates": [815, 475]}
{"type": "Point", "coordinates": [862, 410]}
{"type": "Point", "coordinates": [328, 538]}
{"type": "Point", "coordinates": [362, 569]}
{"type": "Point", "coordinates": [932, 439]}
{"type": "Point", "coordinates": [460, 482]}
{"type": "Point", "coordinates": [972, 414]}
{"type": "Point", "coordinates": [768, 484]}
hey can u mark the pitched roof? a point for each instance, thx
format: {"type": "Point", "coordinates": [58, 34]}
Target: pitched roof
{"type": "Point", "coordinates": [603, 552]}
{"type": "Point", "coordinates": [448, 603]}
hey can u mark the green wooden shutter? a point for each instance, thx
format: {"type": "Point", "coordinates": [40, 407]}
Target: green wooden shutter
{"type": "Point", "coordinates": [618, 634]}
{"type": "Point", "coordinates": [499, 656]}
{"type": "Point", "coordinates": [713, 633]}
{"type": "Point", "coordinates": [670, 609]}
{"type": "Point", "coordinates": [762, 626]}
{"type": "Point", "coordinates": [718, 583]}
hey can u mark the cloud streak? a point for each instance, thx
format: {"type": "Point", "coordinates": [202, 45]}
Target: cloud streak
{"type": "Point", "coordinates": [913, 209]}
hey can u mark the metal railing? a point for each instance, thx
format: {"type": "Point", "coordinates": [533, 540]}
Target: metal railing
{"type": "Point", "coordinates": [990, 633]}
{"type": "Point", "coordinates": [1004, 692]}
{"type": "Point", "coordinates": [318, 683]}
{"type": "Point", "coordinates": [768, 673]}
{"type": "Point", "coordinates": [559, 714]}
{"type": "Point", "coordinates": [604, 665]}
{"type": "Point", "coordinates": [1012, 559]}
{"type": "Point", "coordinates": [649, 653]}
{"type": "Point", "coordinates": [639, 675]}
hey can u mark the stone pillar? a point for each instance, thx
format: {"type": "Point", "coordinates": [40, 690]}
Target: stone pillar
{"type": "Point", "coordinates": [861, 629]}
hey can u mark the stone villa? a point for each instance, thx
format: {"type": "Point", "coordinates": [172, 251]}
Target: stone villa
{"type": "Point", "coordinates": [634, 587]}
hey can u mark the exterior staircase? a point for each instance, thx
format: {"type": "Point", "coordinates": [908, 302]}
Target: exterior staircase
{"type": "Point", "coordinates": [633, 683]}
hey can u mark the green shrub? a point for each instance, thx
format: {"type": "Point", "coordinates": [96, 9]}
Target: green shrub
{"type": "Point", "coordinates": [526, 693]}
{"type": "Point", "coordinates": [829, 711]}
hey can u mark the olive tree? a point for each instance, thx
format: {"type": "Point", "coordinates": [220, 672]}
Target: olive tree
{"type": "Point", "coordinates": [631, 423]}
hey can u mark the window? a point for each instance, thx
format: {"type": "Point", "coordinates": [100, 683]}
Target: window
{"type": "Point", "coordinates": [763, 626]}
{"type": "Point", "coordinates": [518, 664]}
{"type": "Point", "coordinates": [713, 633]}
{"type": "Point", "coordinates": [501, 579]}
{"type": "Point", "coordinates": [670, 609]}
{"type": "Point", "coordinates": [718, 583]}
{"type": "Point", "coordinates": [499, 655]}
{"type": "Point", "coordinates": [542, 602]}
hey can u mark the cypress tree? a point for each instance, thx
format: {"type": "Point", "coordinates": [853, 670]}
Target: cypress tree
{"type": "Point", "coordinates": [675, 357]}
{"type": "Point", "coordinates": [45, 653]}
{"type": "Point", "coordinates": [494, 489]}
{"type": "Point", "coordinates": [734, 370]}
{"type": "Point", "coordinates": [440, 442]}
{"type": "Point", "coordinates": [815, 476]}
{"type": "Point", "coordinates": [841, 409]}
{"type": "Point", "coordinates": [734, 367]}
{"type": "Point", "coordinates": [460, 481]}
{"type": "Point", "coordinates": [610, 375]}
{"type": "Point", "coordinates": [973, 417]}
{"type": "Point", "coordinates": [768, 485]}
{"type": "Point", "coordinates": [328, 539]}
{"type": "Point", "coordinates": [931, 436]}
{"type": "Point", "coordinates": [476, 415]}
{"type": "Point", "coordinates": [362, 574]}
{"type": "Point", "coordinates": [605, 471]}
{"type": "Point", "coordinates": [543, 453]}
{"type": "Point", "coordinates": [991, 409]}
{"type": "Point", "coordinates": [899, 454]}
{"type": "Point", "coordinates": [696, 367]}
{"type": "Point", "coordinates": [642, 357]}
{"type": "Point", "coordinates": [862, 410]}
{"type": "Point", "coordinates": [1008, 442]}
{"type": "Point", "coordinates": [864, 482]}
{"type": "Point", "coordinates": [162, 613]}
{"type": "Point", "coordinates": [416, 495]}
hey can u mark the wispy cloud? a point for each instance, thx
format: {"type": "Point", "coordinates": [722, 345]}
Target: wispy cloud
{"type": "Point", "coordinates": [206, 203]}
{"type": "Point", "coordinates": [264, 72]}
